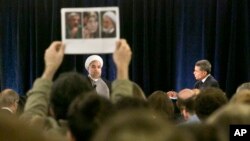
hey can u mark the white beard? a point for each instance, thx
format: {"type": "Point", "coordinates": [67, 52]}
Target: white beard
{"type": "Point", "coordinates": [108, 30]}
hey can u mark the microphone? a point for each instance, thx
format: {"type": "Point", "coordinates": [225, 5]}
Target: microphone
{"type": "Point", "coordinates": [94, 85]}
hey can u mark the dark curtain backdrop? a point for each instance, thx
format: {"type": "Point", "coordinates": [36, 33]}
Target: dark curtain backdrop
{"type": "Point", "coordinates": [166, 36]}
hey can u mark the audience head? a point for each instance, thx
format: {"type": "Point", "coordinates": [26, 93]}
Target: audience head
{"type": "Point", "coordinates": [185, 102]}
{"type": "Point", "coordinates": [130, 103]}
{"type": "Point", "coordinates": [229, 114]}
{"type": "Point", "coordinates": [203, 132]}
{"type": "Point", "coordinates": [137, 125]}
{"type": "Point", "coordinates": [208, 101]}
{"type": "Point", "coordinates": [9, 98]}
{"type": "Point", "coordinates": [86, 114]}
{"type": "Point", "coordinates": [243, 86]}
{"type": "Point", "coordinates": [201, 69]}
{"type": "Point", "coordinates": [12, 129]}
{"type": "Point", "coordinates": [185, 94]}
{"type": "Point", "coordinates": [93, 65]}
{"type": "Point", "coordinates": [161, 103]}
{"type": "Point", "coordinates": [64, 90]}
{"type": "Point", "coordinates": [242, 96]}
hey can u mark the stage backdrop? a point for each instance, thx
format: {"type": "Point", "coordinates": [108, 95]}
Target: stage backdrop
{"type": "Point", "coordinates": [166, 36]}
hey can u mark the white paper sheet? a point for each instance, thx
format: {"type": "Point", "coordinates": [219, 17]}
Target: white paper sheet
{"type": "Point", "coordinates": [83, 29]}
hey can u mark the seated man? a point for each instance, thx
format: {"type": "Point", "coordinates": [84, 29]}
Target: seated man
{"type": "Point", "coordinates": [202, 70]}
{"type": "Point", "coordinates": [202, 74]}
{"type": "Point", "coordinates": [93, 65]}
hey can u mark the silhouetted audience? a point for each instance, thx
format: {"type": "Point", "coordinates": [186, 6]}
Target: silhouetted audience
{"type": "Point", "coordinates": [186, 104]}
{"type": "Point", "coordinates": [208, 101]}
{"type": "Point", "coordinates": [230, 114]}
{"type": "Point", "coordinates": [162, 104]}
{"type": "Point", "coordinates": [86, 114]}
{"type": "Point", "coordinates": [9, 101]}
{"type": "Point", "coordinates": [70, 109]}
{"type": "Point", "coordinates": [135, 125]}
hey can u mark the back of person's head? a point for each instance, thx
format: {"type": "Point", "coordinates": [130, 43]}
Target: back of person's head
{"type": "Point", "coordinates": [86, 114]}
{"type": "Point", "coordinates": [138, 92]}
{"type": "Point", "coordinates": [161, 103]}
{"type": "Point", "coordinates": [186, 100]}
{"type": "Point", "coordinates": [135, 125]}
{"type": "Point", "coordinates": [127, 103]}
{"type": "Point", "coordinates": [242, 96]}
{"type": "Point", "coordinates": [208, 101]}
{"type": "Point", "coordinates": [64, 90]}
{"type": "Point", "coordinates": [12, 129]}
{"type": "Point", "coordinates": [203, 132]}
{"type": "Point", "coordinates": [8, 98]}
{"type": "Point", "coordinates": [204, 65]}
{"type": "Point", "coordinates": [230, 114]}
{"type": "Point", "coordinates": [243, 86]}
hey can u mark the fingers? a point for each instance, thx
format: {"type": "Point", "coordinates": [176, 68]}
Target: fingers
{"type": "Point", "coordinates": [118, 44]}
{"type": "Point", "coordinates": [122, 45]}
{"type": "Point", "coordinates": [57, 46]}
{"type": "Point", "coordinates": [61, 49]}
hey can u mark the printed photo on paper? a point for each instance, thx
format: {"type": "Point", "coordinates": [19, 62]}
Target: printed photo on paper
{"type": "Point", "coordinates": [90, 30]}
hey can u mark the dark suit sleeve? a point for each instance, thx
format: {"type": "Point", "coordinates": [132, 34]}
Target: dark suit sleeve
{"type": "Point", "coordinates": [211, 82]}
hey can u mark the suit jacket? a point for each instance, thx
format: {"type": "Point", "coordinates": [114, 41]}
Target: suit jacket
{"type": "Point", "coordinates": [209, 82]}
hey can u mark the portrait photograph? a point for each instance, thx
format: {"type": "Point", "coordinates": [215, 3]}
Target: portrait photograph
{"type": "Point", "coordinates": [90, 30]}
{"type": "Point", "coordinates": [108, 23]}
{"type": "Point", "coordinates": [91, 25]}
{"type": "Point", "coordinates": [73, 25]}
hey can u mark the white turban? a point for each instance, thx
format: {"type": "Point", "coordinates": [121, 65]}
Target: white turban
{"type": "Point", "coordinates": [111, 15]}
{"type": "Point", "coordinates": [91, 59]}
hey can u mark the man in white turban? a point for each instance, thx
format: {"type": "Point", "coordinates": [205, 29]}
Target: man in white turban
{"type": "Point", "coordinates": [93, 65]}
{"type": "Point", "coordinates": [109, 24]}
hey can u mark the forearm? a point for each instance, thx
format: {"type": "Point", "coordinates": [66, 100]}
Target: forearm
{"type": "Point", "coordinates": [38, 98]}
{"type": "Point", "coordinates": [122, 73]}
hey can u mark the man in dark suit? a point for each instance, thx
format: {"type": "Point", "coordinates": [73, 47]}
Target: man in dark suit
{"type": "Point", "coordinates": [202, 70]}
{"type": "Point", "coordinates": [202, 74]}
{"type": "Point", "coordinates": [9, 101]}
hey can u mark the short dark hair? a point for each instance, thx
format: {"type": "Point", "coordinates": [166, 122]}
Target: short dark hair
{"type": "Point", "coordinates": [87, 113]}
{"type": "Point", "coordinates": [161, 103]}
{"type": "Point", "coordinates": [208, 101]}
{"type": "Point", "coordinates": [64, 90]}
{"type": "Point", "coordinates": [128, 103]}
{"type": "Point", "coordinates": [188, 104]}
{"type": "Point", "coordinates": [204, 65]}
